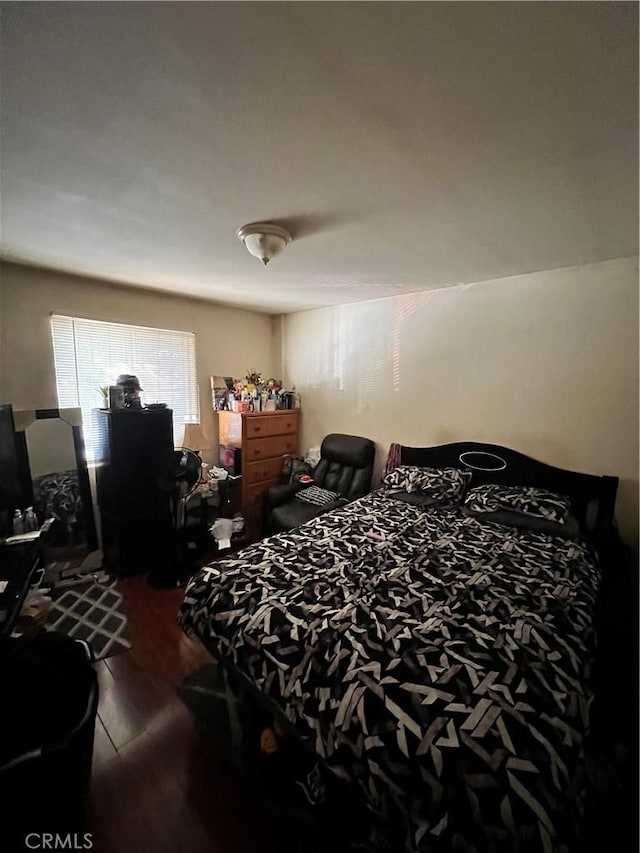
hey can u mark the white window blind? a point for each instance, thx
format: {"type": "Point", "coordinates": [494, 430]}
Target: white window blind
{"type": "Point", "coordinates": [90, 354]}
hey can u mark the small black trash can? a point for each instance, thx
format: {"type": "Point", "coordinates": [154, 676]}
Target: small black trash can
{"type": "Point", "coordinates": [47, 720]}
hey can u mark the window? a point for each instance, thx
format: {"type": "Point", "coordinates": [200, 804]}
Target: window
{"type": "Point", "coordinates": [90, 354]}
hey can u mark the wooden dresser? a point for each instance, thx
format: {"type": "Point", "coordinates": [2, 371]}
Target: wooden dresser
{"type": "Point", "coordinates": [263, 438]}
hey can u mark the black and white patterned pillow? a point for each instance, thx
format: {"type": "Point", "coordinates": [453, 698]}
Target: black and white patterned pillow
{"type": "Point", "coordinates": [442, 485]}
{"type": "Point", "coordinates": [316, 495]}
{"type": "Point", "coordinates": [524, 500]}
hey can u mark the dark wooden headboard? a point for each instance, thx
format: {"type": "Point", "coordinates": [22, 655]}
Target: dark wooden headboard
{"type": "Point", "coordinates": [593, 498]}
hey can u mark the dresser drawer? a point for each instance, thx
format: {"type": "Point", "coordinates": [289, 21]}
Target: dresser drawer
{"type": "Point", "coordinates": [264, 448]}
{"type": "Point", "coordinates": [252, 500]}
{"type": "Point", "coordinates": [253, 525]}
{"type": "Point", "coordinates": [260, 472]}
{"type": "Point", "coordinates": [263, 426]}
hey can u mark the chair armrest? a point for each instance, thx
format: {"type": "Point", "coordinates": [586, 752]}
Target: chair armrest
{"type": "Point", "coordinates": [275, 496]}
{"type": "Point", "coordinates": [282, 494]}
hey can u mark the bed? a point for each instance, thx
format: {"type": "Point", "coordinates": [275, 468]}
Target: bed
{"type": "Point", "coordinates": [57, 495]}
{"type": "Point", "coordinates": [435, 656]}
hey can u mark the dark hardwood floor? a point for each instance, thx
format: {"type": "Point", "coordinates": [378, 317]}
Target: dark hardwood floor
{"type": "Point", "coordinates": [157, 782]}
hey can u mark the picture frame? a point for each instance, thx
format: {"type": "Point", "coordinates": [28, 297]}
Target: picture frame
{"type": "Point", "coordinates": [220, 388]}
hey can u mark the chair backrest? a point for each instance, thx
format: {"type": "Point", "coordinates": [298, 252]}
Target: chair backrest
{"type": "Point", "coordinates": [346, 465]}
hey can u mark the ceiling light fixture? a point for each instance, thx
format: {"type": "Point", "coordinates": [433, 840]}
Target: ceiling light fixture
{"type": "Point", "coordinates": [264, 240]}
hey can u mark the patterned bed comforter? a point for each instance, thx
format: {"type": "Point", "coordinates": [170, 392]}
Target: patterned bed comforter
{"type": "Point", "coordinates": [439, 663]}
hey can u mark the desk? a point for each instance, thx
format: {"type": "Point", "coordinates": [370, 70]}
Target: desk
{"type": "Point", "coordinates": [193, 545]}
{"type": "Point", "coordinates": [202, 508]}
{"type": "Point", "coordinates": [207, 503]}
{"type": "Point", "coordinates": [18, 564]}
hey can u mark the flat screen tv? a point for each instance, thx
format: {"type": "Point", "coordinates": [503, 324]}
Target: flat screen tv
{"type": "Point", "coordinates": [11, 479]}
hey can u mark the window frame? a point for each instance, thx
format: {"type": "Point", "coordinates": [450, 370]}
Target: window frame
{"type": "Point", "coordinates": [73, 388]}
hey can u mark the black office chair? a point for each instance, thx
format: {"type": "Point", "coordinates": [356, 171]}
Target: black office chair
{"type": "Point", "coordinates": [345, 468]}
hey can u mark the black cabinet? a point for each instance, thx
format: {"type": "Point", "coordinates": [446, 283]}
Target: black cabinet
{"type": "Point", "coordinates": [135, 513]}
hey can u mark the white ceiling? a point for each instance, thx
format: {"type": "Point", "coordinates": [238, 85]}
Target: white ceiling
{"type": "Point", "coordinates": [408, 145]}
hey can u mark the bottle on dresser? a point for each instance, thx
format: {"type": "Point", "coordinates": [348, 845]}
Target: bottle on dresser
{"type": "Point", "coordinates": [30, 520]}
{"type": "Point", "coordinates": [18, 523]}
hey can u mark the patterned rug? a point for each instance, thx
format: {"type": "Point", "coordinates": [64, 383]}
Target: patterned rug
{"type": "Point", "coordinates": [93, 612]}
{"type": "Point", "coordinates": [303, 805]}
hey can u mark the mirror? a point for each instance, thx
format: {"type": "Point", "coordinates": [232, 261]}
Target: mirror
{"type": "Point", "coordinates": [56, 483]}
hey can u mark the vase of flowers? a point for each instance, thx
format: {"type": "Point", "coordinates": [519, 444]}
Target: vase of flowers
{"type": "Point", "coordinates": [103, 390]}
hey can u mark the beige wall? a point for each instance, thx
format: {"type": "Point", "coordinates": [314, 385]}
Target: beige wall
{"type": "Point", "coordinates": [545, 363]}
{"type": "Point", "coordinates": [228, 340]}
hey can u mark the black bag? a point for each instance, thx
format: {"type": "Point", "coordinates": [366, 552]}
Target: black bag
{"type": "Point", "coordinates": [293, 468]}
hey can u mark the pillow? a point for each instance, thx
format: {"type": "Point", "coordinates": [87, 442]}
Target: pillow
{"type": "Point", "coordinates": [316, 495]}
{"type": "Point", "coordinates": [421, 499]}
{"type": "Point", "coordinates": [439, 485]}
{"type": "Point", "coordinates": [526, 501]}
{"type": "Point", "coordinates": [568, 529]}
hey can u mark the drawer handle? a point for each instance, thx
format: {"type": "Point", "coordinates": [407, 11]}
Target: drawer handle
{"type": "Point", "coordinates": [256, 429]}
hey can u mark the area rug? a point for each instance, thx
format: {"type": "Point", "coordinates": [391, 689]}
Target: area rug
{"type": "Point", "coordinates": [93, 612]}
{"type": "Point", "coordinates": [303, 805]}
